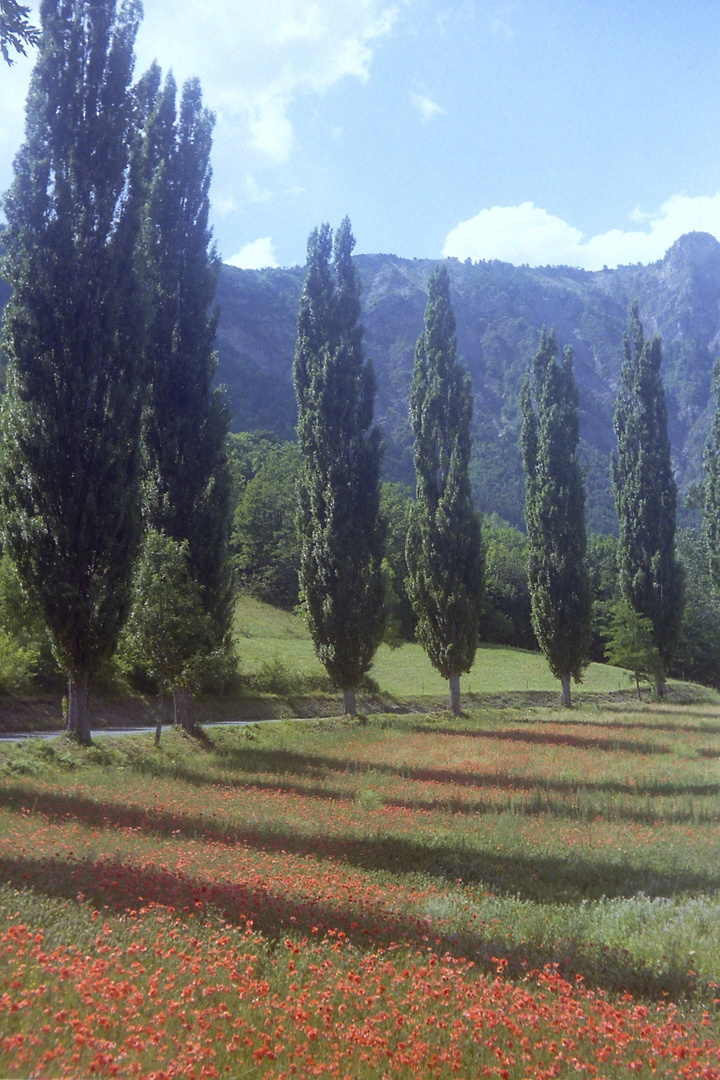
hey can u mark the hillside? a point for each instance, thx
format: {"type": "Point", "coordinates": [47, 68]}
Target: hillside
{"type": "Point", "coordinates": [500, 311]}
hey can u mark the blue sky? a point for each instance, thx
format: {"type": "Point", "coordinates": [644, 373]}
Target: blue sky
{"type": "Point", "coordinates": [584, 132]}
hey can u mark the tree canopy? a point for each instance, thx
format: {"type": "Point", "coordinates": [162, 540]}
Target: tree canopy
{"type": "Point", "coordinates": [555, 513]}
{"type": "Point", "coordinates": [73, 334]}
{"type": "Point", "coordinates": [341, 532]}
{"type": "Point", "coordinates": [646, 495]}
{"type": "Point", "coordinates": [186, 479]}
{"type": "Point", "coordinates": [444, 544]}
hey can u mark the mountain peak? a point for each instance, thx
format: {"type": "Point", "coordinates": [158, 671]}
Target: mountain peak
{"type": "Point", "coordinates": [693, 247]}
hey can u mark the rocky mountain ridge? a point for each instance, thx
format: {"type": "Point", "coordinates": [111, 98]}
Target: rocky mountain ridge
{"type": "Point", "coordinates": [500, 311]}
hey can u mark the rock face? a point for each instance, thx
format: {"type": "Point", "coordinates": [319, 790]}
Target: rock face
{"type": "Point", "coordinates": [500, 311]}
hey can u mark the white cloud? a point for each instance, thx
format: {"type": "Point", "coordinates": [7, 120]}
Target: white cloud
{"type": "Point", "coordinates": [514, 233]}
{"type": "Point", "coordinates": [255, 256]}
{"type": "Point", "coordinates": [426, 106]}
{"type": "Point", "coordinates": [270, 127]}
{"type": "Point", "coordinates": [255, 58]}
{"type": "Point", "coordinates": [528, 234]}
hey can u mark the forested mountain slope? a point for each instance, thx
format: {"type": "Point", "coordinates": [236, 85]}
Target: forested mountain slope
{"type": "Point", "coordinates": [500, 310]}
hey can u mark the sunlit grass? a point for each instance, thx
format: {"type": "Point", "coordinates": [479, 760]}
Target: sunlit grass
{"type": "Point", "coordinates": [497, 670]}
{"type": "Point", "coordinates": [269, 638]}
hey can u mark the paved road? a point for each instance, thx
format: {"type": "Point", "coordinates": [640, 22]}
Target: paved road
{"type": "Point", "coordinates": [19, 736]}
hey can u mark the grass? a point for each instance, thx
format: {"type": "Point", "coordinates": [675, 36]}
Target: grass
{"type": "Point", "coordinates": [270, 640]}
{"type": "Point", "coordinates": [497, 670]}
{"type": "Point", "coordinates": [512, 893]}
{"type": "Point", "coordinates": [281, 677]}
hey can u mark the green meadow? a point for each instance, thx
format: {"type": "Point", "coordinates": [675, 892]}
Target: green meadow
{"type": "Point", "coordinates": [276, 653]}
{"type": "Point", "coordinates": [520, 892]}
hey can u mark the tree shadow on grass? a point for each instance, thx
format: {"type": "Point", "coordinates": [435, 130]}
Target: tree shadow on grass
{"type": "Point", "coordinates": [568, 879]}
{"type": "Point", "coordinates": [539, 738]}
{"type": "Point", "coordinates": [561, 810]}
{"type": "Point", "coordinates": [632, 725]}
{"type": "Point", "coordinates": [706, 724]}
{"type": "Point", "coordinates": [121, 886]}
{"type": "Point", "coordinates": [541, 804]}
{"type": "Point", "coordinates": [282, 762]}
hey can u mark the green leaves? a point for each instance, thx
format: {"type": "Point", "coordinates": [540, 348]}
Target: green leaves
{"type": "Point", "coordinates": [16, 30]}
{"type": "Point", "coordinates": [555, 512]}
{"type": "Point", "coordinates": [341, 534]}
{"type": "Point", "coordinates": [168, 632]}
{"type": "Point", "coordinates": [444, 547]}
{"type": "Point", "coordinates": [630, 644]}
{"type": "Point", "coordinates": [646, 494]}
{"type": "Point", "coordinates": [73, 333]}
{"type": "Point", "coordinates": [187, 483]}
{"type": "Point", "coordinates": [265, 537]}
{"type": "Point", "coordinates": [711, 487]}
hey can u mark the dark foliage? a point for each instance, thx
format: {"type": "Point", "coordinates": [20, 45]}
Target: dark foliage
{"type": "Point", "coordinates": [555, 514]}
{"type": "Point", "coordinates": [341, 532]}
{"type": "Point", "coordinates": [73, 334]}
{"type": "Point", "coordinates": [265, 540]}
{"type": "Point", "coordinates": [444, 545]}
{"type": "Point", "coordinates": [16, 30]}
{"type": "Point", "coordinates": [646, 494]}
{"type": "Point", "coordinates": [187, 479]}
{"type": "Point", "coordinates": [506, 612]}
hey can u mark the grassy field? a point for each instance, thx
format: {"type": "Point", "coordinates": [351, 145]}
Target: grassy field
{"type": "Point", "coordinates": [281, 677]}
{"type": "Point", "coordinates": [515, 893]}
{"type": "Point", "coordinates": [276, 653]}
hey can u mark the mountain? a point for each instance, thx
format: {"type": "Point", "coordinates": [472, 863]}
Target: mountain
{"type": "Point", "coordinates": [500, 311]}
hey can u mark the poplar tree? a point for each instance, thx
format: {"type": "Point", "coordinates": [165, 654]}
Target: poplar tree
{"type": "Point", "coordinates": [555, 514]}
{"type": "Point", "coordinates": [444, 545]}
{"type": "Point", "coordinates": [186, 483]}
{"type": "Point", "coordinates": [73, 338]}
{"type": "Point", "coordinates": [341, 533]}
{"type": "Point", "coordinates": [646, 495]}
{"type": "Point", "coordinates": [711, 489]}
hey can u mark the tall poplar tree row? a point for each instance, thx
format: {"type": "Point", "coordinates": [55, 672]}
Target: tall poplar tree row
{"type": "Point", "coordinates": [73, 337]}
{"type": "Point", "coordinates": [444, 545]}
{"type": "Point", "coordinates": [711, 500]}
{"type": "Point", "coordinates": [555, 514]}
{"type": "Point", "coordinates": [186, 489]}
{"type": "Point", "coordinates": [646, 495]}
{"type": "Point", "coordinates": [341, 533]}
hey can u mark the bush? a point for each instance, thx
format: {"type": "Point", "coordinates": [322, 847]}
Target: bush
{"type": "Point", "coordinates": [18, 664]}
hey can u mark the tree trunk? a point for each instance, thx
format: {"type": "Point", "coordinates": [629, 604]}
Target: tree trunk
{"type": "Point", "coordinates": [454, 681]}
{"type": "Point", "coordinates": [637, 680]}
{"type": "Point", "coordinates": [565, 686]}
{"type": "Point", "coordinates": [183, 709]}
{"type": "Point", "coordinates": [660, 684]}
{"type": "Point", "coordinates": [349, 705]}
{"type": "Point", "coordinates": [159, 717]}
{"type": "Point", "coordinates": [78, 714]}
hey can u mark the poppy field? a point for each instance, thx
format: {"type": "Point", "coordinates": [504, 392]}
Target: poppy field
{"type": "Point", "coordinates": [515, 893]}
